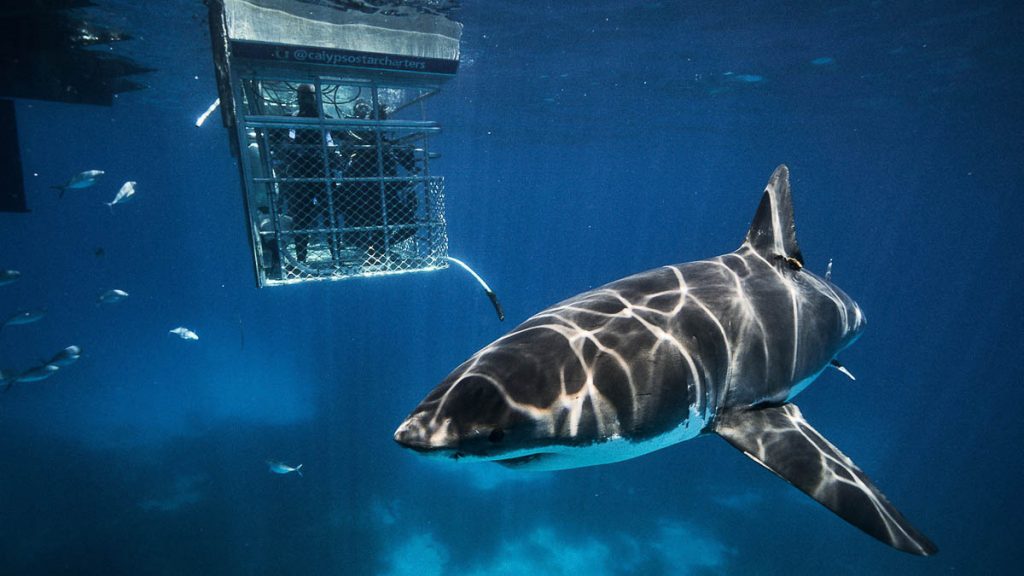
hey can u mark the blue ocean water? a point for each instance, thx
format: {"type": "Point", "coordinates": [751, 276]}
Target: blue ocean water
{"type": "Point", "coordinates": [582, 142]}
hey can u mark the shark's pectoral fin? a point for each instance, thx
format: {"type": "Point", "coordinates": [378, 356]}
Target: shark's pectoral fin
{"type": "Point", "coordinates": [781, 440]}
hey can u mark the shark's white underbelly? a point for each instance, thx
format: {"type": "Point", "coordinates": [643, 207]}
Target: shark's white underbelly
{"type": "Point", "coordinates": [615, 449]}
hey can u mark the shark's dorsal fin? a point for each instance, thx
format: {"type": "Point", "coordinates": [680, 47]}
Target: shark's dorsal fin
{"type": "Point", "coordinates": [781, 440]}
{"type": "Point", "coordinates": [773, 231]}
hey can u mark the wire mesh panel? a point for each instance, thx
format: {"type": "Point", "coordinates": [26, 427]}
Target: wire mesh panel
{"type": "Point", "coordinates": [338, 179]}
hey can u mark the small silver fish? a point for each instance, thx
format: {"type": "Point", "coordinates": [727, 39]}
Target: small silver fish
{"type": "Point", "coordinates": [79, 181]}
{"type": "Point", "coordinates": [185, 333]}
{"type": "Point", "coordinates": [24, 317]}
{"type": "Point", "coordinates": [282, 468]}
{"type": "Point", "coordinates": [112, 296]}
{"type": "Point", "coordinates": [37, 373]}
{"type": "Point", "coordinates": [9, 276]}
{"type": "Point", "coordinates": [66, 357]}
{"type": "Point", "coordinates": [123, 195]}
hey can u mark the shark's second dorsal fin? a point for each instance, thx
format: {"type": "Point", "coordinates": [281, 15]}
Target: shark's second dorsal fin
{"type": "Point", "coordinates": [773, 232]}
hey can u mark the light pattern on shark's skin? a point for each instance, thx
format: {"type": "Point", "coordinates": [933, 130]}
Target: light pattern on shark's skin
{"type": "Point", "coordinates": [595, 371]}
{"type": "Point", "coordinates": [653, 359]}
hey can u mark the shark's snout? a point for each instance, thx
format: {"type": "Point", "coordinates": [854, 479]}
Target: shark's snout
{"type": "Point", "coordinates": [412, 434]}
{"type": "Point", "coordinates": [471, 416]}
{"type": "Point", "coordinates": [421, 433]}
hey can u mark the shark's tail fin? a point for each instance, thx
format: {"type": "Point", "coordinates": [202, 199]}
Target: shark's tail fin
{"type": "Point", "coordinates": [298, 470]}
{"type": "Point", "coordinates": [60, 189]}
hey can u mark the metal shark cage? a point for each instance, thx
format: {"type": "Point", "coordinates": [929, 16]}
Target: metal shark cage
{"type": "Point", "coordinates": [328, 118]}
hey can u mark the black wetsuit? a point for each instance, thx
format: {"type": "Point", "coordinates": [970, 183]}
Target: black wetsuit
{"type": "Point", "coordinates": [304, 159]}
{"type": "Point", "coordinates": [361, 201]}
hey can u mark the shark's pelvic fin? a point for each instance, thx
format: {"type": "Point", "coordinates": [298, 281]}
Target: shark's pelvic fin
{"type": "Point", "coordinates": [772, 234]}
{"type": "Point", "coordinates": [839, 366]}
{"type": "Point", "coordinates": [781, 440]}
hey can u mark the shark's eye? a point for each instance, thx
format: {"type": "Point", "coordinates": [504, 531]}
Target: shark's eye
{"type": "Point", "coordinates": [496, 435]}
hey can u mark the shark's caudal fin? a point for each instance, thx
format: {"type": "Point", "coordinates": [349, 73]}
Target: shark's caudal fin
{"type": "Point", "coordinates": [781, 440]}
{"type": "Point", "coordinates": [772, 234]}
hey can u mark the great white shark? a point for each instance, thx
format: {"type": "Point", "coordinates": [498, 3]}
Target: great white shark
{"type": "Point", "coordinates": [718, 346]}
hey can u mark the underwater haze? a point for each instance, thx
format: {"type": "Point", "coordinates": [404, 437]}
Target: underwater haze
{"type": "Point", "coordinates": [582, 142]}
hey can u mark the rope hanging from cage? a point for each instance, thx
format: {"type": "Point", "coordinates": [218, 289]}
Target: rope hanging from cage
{"type": "Point", "coordinates": [487, 289]}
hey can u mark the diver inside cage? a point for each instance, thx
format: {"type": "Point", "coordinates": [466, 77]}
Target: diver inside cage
{"type": "Point", "coordinates": [379, 212]}
{"type": "Point", "coordinates": [270, 238]}
{"type": "Point", "coordinates": [299, 160]}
